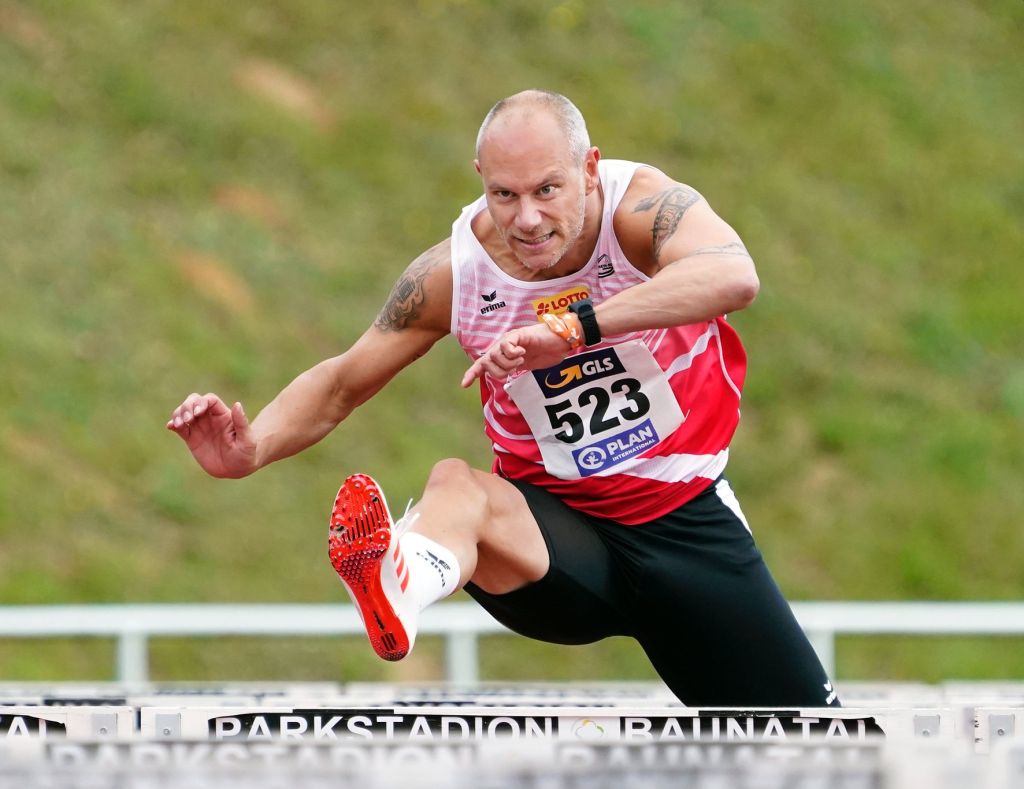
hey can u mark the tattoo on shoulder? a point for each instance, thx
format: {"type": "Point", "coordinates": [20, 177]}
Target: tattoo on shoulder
{"type": "Point", "coordinates": [673, 203]}
{"type": "Point", "coordinates": [407, 297]}
{"type": "Point", "coordinates": [732, 248]}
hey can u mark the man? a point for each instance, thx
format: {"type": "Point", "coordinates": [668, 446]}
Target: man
{"type": "Point", "coordinates": [591, 296]}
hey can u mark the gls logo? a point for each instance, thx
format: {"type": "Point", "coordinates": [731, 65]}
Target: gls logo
{"type": "Point", "coordinates": [578, 370]}
{"type": "Point", "coordinates": [591, 368]}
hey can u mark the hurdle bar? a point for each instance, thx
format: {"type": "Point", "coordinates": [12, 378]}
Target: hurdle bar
{"type": "Point", "coordinates": [459, 623]}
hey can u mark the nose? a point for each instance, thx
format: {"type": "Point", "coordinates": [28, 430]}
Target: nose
{"type": "Point", "coordinates": [527, 216]}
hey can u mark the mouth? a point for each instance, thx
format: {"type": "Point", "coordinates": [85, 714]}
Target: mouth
{"type": "Point", "coordinates": [535, 243]}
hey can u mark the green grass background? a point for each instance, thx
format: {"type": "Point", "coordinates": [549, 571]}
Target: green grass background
{"type": "Point", "coordinates": [215, 196]}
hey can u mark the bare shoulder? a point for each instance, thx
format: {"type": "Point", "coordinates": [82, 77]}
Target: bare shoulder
{"type": "Point", "coordinates": [650, 187]}
{"type": "Point", "coordinates": [422, 296]}
{"type": "Point", "coordinates": [650, 214]}
{"type": "Point", "coordinates": [660, 220]}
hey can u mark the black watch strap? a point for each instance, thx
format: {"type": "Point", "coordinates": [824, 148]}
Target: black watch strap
{"type": "Point", "coordinates": [584, 310]}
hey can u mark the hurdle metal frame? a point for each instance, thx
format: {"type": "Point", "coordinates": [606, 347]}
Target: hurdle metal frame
{"type": "Point", "coordinates": [461, 624]}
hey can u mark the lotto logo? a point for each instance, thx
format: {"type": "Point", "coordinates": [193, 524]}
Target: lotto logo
{"type": "Point", "coordinates": [578, 370]}
{"type": "Point", "coordinates": [559, 303]}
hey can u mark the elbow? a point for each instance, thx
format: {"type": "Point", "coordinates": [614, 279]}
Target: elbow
{"type": "Point", "coordinates": [750, 288]}
{"type": "Point", "coordinates": [743, 291]}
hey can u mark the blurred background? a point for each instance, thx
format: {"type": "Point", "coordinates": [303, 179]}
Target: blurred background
{"type": "Point", "coordinates": [206, 196]}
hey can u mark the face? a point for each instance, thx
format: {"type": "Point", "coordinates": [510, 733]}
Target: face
{"type": "Point", "coordinates": [536, 191]}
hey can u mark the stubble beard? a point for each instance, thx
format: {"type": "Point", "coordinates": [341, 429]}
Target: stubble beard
{"type": "Point", "coordinates": [571, 237]}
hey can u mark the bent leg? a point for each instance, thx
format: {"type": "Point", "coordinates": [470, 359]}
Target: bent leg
{"type": "Point", "coordinates": [485, 521]}
{"type": "Point", "coordinates": [472, 525]}
{"type": "Point", "coordinates": [575, 602]}
{"type": "Point", "coordinates": [467, 523]}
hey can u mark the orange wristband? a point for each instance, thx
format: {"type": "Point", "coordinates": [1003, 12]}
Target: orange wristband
{"type": "Point", "coordinates": [568, 327]}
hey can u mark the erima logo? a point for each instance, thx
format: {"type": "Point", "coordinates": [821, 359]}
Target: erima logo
{"type": "Point", "coordinates": [604, 267]}
{"type": "Point", "coordinates": [492, 305]}
{"type": "Point", "coordinates": [577, 370]}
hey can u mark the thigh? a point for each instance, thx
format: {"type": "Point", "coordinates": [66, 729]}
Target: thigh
{"type": "Point", "coordinates": [576, 600]}
{"type": "Point", "coordinates": [715, 625]}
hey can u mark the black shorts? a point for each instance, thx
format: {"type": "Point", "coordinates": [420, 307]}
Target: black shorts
{"type": "Point", "coordinates": [691, 587]}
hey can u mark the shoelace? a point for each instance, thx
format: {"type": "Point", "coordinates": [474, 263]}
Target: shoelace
{"type": "Point", "coordinates": [403, 524]}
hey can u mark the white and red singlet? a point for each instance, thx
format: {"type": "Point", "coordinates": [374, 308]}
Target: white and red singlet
{"type": "Point", "coordinates": [629, 429]}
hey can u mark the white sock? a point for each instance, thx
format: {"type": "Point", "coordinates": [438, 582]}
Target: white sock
{"type": "Point", "coordinates": [433, 569]}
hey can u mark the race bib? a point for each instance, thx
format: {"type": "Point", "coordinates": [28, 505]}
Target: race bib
{"type": "Point", "coordinates": [594, 411]}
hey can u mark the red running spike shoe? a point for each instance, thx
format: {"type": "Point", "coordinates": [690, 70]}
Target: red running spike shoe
{"type": "Point", "coordinates": [366, 555]}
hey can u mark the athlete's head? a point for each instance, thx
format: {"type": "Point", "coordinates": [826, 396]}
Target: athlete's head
{"type": "Point", "coordinates": [538, 167]}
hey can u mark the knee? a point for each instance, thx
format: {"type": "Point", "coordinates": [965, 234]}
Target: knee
{"type": "Point", "coordinates": [451, 471]}
{"type": "Point", "coordinates": [456, 478]}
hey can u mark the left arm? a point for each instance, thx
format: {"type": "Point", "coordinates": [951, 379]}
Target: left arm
{"type": "Point", "coordinates": [698, 265]}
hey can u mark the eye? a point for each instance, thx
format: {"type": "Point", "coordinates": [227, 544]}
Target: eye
{"type": "Point", "coordinates": [547, 189]}
{"type": "Point", "coordinates": [503, 194]}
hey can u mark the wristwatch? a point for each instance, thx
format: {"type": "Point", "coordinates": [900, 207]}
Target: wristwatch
{"type": "Point", "coordinates": [584, 310]}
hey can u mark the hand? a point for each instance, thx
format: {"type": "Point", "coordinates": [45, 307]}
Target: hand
{"type": "Point", "coordinates": [219, 438]}
{"type": "Point", "coordinates": [531, 348]}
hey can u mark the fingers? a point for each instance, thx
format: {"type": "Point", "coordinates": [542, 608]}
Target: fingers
{"type": "Point", "coordinates": [240, 421]}
{"type": "Point", "coordinates": [499, 360]}
{"type": "Point", "coordinates": [470, 375]}
{"type": "Point", "coordinates": [177, 420]}
{"type": "Point", "coordinates": [193, 407]}
{"type": "Point", "coordinates": [512, 351]}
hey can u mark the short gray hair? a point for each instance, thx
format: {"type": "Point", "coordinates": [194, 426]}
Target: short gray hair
{"type": "Point", "coordinates": [569, 118]}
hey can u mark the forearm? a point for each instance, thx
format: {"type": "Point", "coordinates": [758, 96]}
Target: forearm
{"type": "Point", "coordinates": [691, 290]}
{"type": "Point", "coordinates": [304, 412]}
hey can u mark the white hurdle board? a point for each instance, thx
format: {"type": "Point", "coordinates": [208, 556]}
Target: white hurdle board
{"type": "Point", "coordinates": [472, 723]}
{"type": "Point", "coordinates": [81, 722]}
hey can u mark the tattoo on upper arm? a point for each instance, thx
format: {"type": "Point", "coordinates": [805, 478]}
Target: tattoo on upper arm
{"type": "Point", "coordinates": [405, 303]}
{"type": "Point", "coordinates": [732, 248]}
{"type": "Point", "coordinates": [672, 204]}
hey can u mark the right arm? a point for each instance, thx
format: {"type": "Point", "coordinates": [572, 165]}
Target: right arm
{"type": "Point", "coordinates": [417, 314]}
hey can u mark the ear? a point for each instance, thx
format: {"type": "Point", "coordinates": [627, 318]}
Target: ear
{"type": "Point", "coordinates": [476, 165]}
{"type": "Point", "coordinates": [590, 174]}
